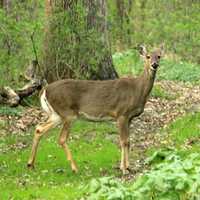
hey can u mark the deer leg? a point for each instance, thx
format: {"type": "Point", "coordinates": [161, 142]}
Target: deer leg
{"type": "Point", "coordinates": [124, 142]}
{"type": "Point", "coordinates": [39, 132]}
{"type": "Point", "coordinates": [64, 135]}
{"type": "Point", "coordinates": [127, 149]}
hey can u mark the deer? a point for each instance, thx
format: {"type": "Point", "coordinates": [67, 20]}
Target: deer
{"type": "Point", "coordinates": [119, 100]}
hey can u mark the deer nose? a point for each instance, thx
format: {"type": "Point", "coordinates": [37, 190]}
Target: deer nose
{"type": "Point", "coordinates": [155, 65]}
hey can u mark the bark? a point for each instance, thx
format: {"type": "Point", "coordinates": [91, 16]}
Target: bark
{"type": "Point", "coordinates": [143, 7]}
{"type": "Point", "coordinates": [96, 19]}
{"type": "Point", "coordinates": [124, 9]}
{"type": "Point", "coordinates": [6, 4]}
{"type": "Point", "coordinates": [127, 17]}
{"type": "Point", "coordinates": [121, 12]}
{"type": "Point", "coordinates": [1, 3]}
{"type": "Point", "coordinates": [78, 64]}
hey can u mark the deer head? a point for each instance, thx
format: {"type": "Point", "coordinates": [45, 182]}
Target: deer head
{"type": "Point", "coordinates": [151, 60]}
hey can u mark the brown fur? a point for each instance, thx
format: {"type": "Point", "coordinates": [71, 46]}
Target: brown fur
{"type": "Point", "coordinates": [120, 100]}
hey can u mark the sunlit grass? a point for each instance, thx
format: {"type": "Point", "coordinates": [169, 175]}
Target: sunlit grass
{"type": "Point", "coordinates": [52, 178]}
{"type": "Point", "coordinates": [185, 128]}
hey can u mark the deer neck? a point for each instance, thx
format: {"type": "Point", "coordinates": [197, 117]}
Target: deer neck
{"type": "Point", "coordinates": [148, 78]}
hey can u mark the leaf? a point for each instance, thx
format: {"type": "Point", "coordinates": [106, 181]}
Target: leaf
{"type": "Point", "coordinates": [94, 186]}
{"type": "Point", "coordinates": [180, 185]}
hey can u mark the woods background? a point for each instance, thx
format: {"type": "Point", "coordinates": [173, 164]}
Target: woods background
{"type": "Point", "coordinates": [72, 38]}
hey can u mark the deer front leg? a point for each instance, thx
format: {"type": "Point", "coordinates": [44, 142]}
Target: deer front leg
{"type": "Point", "coordinates": [64, 135]}
{"type": "Point", "coordinates": [39, 132]}
{"type": "Point", "coordinates": [124, 142]}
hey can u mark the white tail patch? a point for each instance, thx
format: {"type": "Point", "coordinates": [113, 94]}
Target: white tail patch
{"type": "Point", "coordinates": [53, 116]}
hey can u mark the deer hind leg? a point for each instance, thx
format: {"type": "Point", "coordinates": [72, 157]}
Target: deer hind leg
{"type": "Point", "coordinates": [64, 135]}
{"type": "Point", "coordinates": [124, 142]}
{"type": "Point", "coordinates": [39, 132]}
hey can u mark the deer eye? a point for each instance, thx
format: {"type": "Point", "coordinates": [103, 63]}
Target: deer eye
{"type": "Point", "coordinates": [148, 57]}
{"type": "Point", "coordinates": [158, 57]}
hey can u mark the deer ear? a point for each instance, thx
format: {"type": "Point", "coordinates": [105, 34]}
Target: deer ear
{"type": "Point", "coordinates": [142, 50]}
{"type": "Point", "coordinates": [161, 49]}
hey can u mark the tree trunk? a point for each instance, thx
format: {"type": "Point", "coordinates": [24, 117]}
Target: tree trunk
{"type": "Point", "coordinates": [121, 13]}
{"type": "Point", "coordinates": [128, 16]}
{"type": "Point", "coordinates": [6, 4]}
{"type": "Point", "coordinates": [76, 43]}
{"type": "Point", "coordinates": [124, 9]}
{"type": "Point", "coordinates": [143, 7]}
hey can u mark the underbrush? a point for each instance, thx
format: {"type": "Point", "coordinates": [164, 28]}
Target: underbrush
{"type": "Point", "coordinates": [175, 177]}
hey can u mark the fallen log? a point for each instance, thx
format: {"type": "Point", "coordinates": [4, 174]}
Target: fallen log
{"type": "Point", "coordinates": [9, 96]}
{"type": "Point", "coordinates": [13, 97]}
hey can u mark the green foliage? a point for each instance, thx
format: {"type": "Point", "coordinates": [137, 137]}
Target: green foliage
{"type": "Point", "coordinates": [107, 188]}
{"type": "Point", "coordinates": [152, 22]}
{"type": "Point", "coordinates": [159, 92]}
{"type": "Point", "coordinates": [179, 71]}
{"type": "Point", "coordinates": [127, 63]}
{"type": "Point", "coordinates": [8, 111]}
{"type": "Point", "coordinates": [16, 29]}
{"type": "Point", "coordinates": [175, 177]}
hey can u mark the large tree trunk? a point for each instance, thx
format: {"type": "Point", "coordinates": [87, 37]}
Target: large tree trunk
{"type": "Point", "coordinates": [124, 9]}
{"type": "Point", "coordinates": [76, 43]}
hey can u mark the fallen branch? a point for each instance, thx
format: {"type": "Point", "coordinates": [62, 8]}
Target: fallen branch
{"type": "Point", "coordinates": [13, 97]}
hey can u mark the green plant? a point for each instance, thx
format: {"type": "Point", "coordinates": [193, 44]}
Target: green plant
{"type": "Point", "coordinates": [159, 92]}
{"type": "Point", "coordinates": [172, 177]}
{"type": "Point", "coordinates": [176, 177]}
{"type": "Point", "coordinates": [185, 128]}
{"type": "Point", "coordinates": [8, 111]}
{"type": "Point", "coordinates": [107, 188]}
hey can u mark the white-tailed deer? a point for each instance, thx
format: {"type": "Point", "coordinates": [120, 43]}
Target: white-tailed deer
{"type": "Point", "coordinates": [120, 100]}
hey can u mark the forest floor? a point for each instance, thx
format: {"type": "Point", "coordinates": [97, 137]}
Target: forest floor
{"type": "Point", "coordinates": [169, 101]}
{"type": "Point", "coordinates": [173, 100]}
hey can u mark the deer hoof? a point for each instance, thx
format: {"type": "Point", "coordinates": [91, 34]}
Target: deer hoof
{"type": "Point", "coordinates": [30, 166]}
{"type": "Point", "coordinates": [74, 169]}
{"type": "Point", "coordinates": [126, 171]}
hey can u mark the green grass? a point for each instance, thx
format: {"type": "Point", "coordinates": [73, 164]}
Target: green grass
{"type": "Point", "coordinates": [159, 92]}
{"type": "Point", "coordinates": [185, 128]}
{"type": "Point", "coordinates": [52, 177]}
{"type": "Point", "coordinates": [8, 111]}
{"type": "Point", "coordinates": [129, 63]}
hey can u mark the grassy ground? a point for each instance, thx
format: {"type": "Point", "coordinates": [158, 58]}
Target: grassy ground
{"type": "Point", "coordinates": [96, 156]}
{"type": "Point", "coordinates": [53, 178]}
